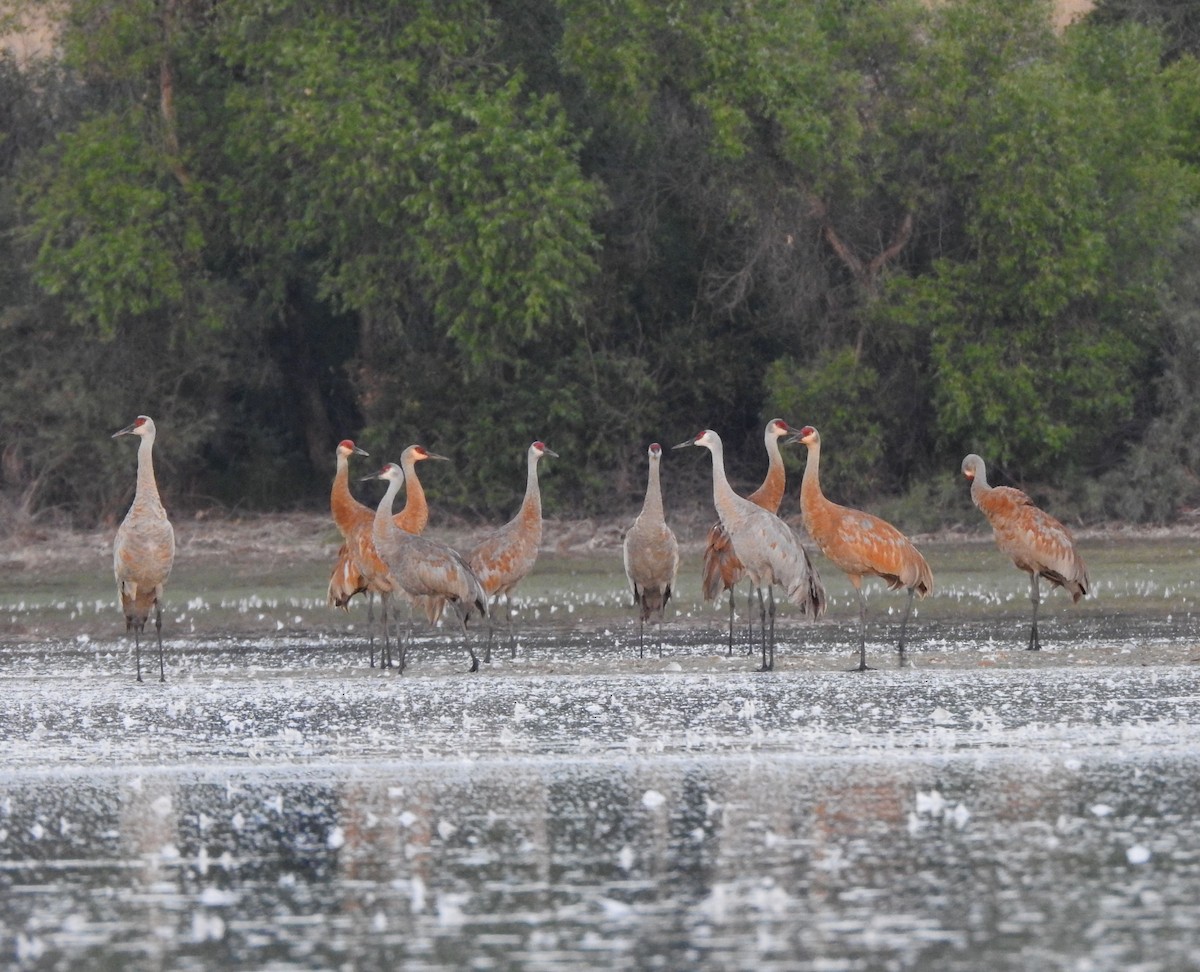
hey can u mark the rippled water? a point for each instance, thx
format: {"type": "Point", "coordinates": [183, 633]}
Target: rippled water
{"type": "Point", "coordinates": [278, 805]}
{"type": "Point", "coordinates": [298, 817]}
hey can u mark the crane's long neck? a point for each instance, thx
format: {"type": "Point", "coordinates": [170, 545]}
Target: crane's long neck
{"type": "Point", "coordinates": [980, 487]}
{"type": "Point", "coordinates": [340, 493]}
{"type": "Point", "coordinates": [770, 494]}
{"type": "Point", "coordinates": [147, 485]}
{"type": "Point", "coordinates": [723, 494]}
{"type": "Point", "coordinates": [383, 515]}
{"type": "Point", "coordinates": [653, 504]}
{"type": "Point", "coordinates": [531, 506]}
{"type": "Point", "coordinates": [811, 496]}
{"type": "Point", "coordinates": [416, 507]}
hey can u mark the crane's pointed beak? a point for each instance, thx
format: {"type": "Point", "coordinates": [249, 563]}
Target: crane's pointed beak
{"type": "Point", "coordinates": [550, 452]}
{"type": "Point", "coordinates": [360, 452]}
{"type": "Point", "coordinates": [683, 445]}
{"type": "Point", "coordinates": [128, 430]}
{"type": "Point", "coordinates": [434, 455]}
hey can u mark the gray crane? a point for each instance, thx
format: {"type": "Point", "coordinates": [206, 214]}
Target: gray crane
{"type": "Point", "coordinates": [721, 570]}
{"type": "Point", "coordinates": [766, 547]}
{"type": "Point", "coordinates": [144, 549]}
{"type": "Point", "coordinates": [651, 555]}
{"type": "Point", "coordinates": [423, 567]}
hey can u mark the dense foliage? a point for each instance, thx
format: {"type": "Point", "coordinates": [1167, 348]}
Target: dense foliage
{"type": "Point", "coordinates": [927, 229]}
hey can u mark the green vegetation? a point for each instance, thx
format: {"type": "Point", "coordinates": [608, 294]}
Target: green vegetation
{"type": "Point", "coordinates": [926, 229]}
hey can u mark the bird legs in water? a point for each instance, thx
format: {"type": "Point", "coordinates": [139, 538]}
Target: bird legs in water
{"type": "Point", "coordinates": [137, 643]}
{"type": "Point", "coordinates": [1035, 597]}
{"type": "Point", "coordinates": [642, 638]}
{"type": "Point", "coordinates": [862, 629]}
{"type": "Point", "coordinates": [749, 619]}
{"type": "Point", "coordinates": [766, 617]}
{"type": "Point", "coordinates": [512, 634]}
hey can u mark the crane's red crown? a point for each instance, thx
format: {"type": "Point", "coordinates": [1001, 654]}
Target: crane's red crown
{"type": "Point", "coordinates": [655, 448]}
{"type": "Point", "coordinates": [346, 444]}
{"type": "Point", "coordinates": [807, 431]}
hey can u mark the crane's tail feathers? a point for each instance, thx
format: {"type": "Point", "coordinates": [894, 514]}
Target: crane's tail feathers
{"type": "Point", "coordinates": [654, 601]}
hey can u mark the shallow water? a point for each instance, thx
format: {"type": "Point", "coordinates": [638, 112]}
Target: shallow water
{"type": "Point", "coordinates": [277, 804]}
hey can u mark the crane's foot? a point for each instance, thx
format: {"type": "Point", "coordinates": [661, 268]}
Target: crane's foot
{"type": "Point", "coordinates": [474, 664]}
{"type": "Point", "coordinates": [861, 668]}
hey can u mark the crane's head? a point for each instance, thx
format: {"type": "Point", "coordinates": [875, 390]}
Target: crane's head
{"type": "Point", "coordinates": [346, 448]}
{"type": "Point", "coordinates": [417, 453]}
{"type": "Point", "coordinates": [539, 449]}
{"type": "Point", "coordinates": [778, 427]}
{"type": "Point", "coordinates": [391, 472]}
{"type": "Point", "coordinates": [808, 435]}
{"type": "Point", "coordinates": [707, 438]}
{"type": "Point", "coordinates": [972, 466]}
{"type": "Point", "coordinates": [655, 450]}
{"type": "Point", "coordinates": [142, 425]}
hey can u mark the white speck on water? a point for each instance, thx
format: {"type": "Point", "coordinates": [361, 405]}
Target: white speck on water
{"type": "Point", "coordinates": [626, 858]}
{"type": "Point", "coordinates": [336, 838]}
{"type": "Point", "coordinates": [1138, 854]}
{"type": "Point", "coordinates": [1101, 810]}
{"type": "Point", "coordinates": [652, 799]}
{"type": "Point", "coordinates": [446, 829]}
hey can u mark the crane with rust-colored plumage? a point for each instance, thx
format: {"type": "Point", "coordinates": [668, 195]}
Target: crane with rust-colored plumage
{"type": "Point", "coordinates": [859, 544]}
{"type": "Point", "coordinates": [1037, 543]}
{"type": "Point", "coordinates": [423, 567]}
{"type": "Point", "coordinates": [358, 568]}
{"type": "Point", "coordinates": [144, 548]}
{"type": "Point", "coordinates": [651, 555]}
{"type": "Point", "coordinates": [766, 547]}
{"type": "Point", "coordinates": [504, 557]}
{"type": "Point", "coordinates": [721, 570]}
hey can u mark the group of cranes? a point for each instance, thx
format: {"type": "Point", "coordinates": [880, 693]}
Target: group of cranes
{"type": "Point", "coordinates": [385, 553]}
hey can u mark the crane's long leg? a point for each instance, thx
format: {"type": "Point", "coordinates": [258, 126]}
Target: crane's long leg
{"type": "Point", "coordinates": [732, 595]}
{"type": "Point", "coordinates": [371, 625]}
{"type": "Point", "coordinates": [386, 612]}
{"type": "Point", "coordinates": [862, 631]}
{"type": "Point", "coordinates": [771, 609]}
{"type": "Point", "coordinates": [1034, 595]}
{"type": "Point", "coordinates": [137, 650]}
{"type": "Point", "coordinates": [162, 675]}
{"type": "Point", "coordinates": [487, 648]}
{"type": "Point", "coordinates": [904, 624]}
{"type": "Point", "coordinates": [750, 619]}
{"type": "Point", "coordinates": [512, 633]}
{"type": "Point", "coordinates": [762, 629]}
{"type": "Point", "coordinates": [641, 626]}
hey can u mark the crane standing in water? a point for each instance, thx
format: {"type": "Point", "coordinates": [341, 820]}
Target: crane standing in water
{"type": "Point", "coordinates": [859, 544]}
{"type": "Point", "coordinates": [651, 555]}
{"type": "Point", "coordinates": [504, 557]}
{"type": "Point", "coordinates": [144, 549]}
{"type": "Point", "coordinates": [766, 546]}
{"type": "Point", "coordinates": [721, 570]}
{"type": "Point", "coordinates": [423, 567]}
{"type": "Point", "coordinates": [358, 568]}
{"type": "Point", "coordinates": [1037, 543]}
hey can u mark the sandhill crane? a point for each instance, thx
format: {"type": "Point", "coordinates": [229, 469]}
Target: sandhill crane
{"type": "Point", "coordinates": [504, 557]}
{"type": "Point", "coordinates": [859, 544]}
{"type": "Point", "coordinates": [423, 567]}
{"type": "Point", "coordinates": [721, 570]}
{"type": "Point", "coordinates": [144, 549]}
{"type": "Point", "coordinates": [358, 568]}
{"type": "Point", "coordinates": [1037, 543]}
{"type": "Point", "coordinates": [766, 547]}
{"type": "Point", "coordinates": [651, 555]}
